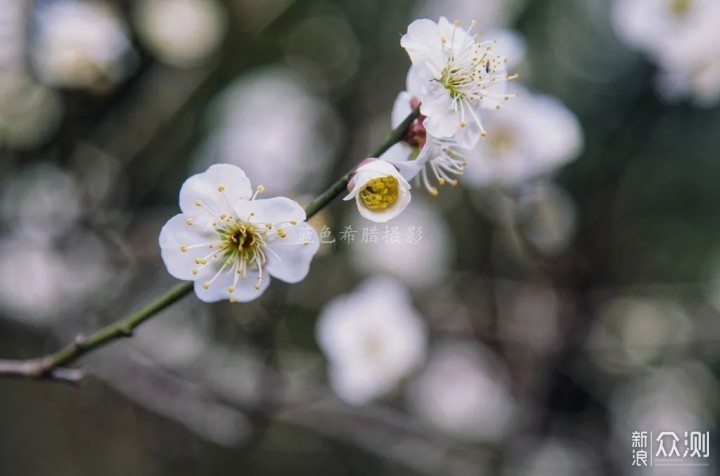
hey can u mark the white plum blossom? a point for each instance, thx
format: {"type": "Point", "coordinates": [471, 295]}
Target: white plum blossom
{"type": "Point", "coordinates": [372, 338]}
{"type": "Point", "coordinates": [463, 392]}
{"type": "Point", "coordinates": [459, 76]}
{"type": "Point", "coordinates": [421, 155]}
{"type": "Point", "coordinates": [380, 191]}
{"type": "Point", "coordinates": [81, 44]}
{"type": "Point", "coordinates": [532, 138]}
{"type": "Point", "coordinates": [229, 242]}
{"type": "Point", "coordinates": [682, 37]}
{"type": "Point", "coordinates": [181, 32]}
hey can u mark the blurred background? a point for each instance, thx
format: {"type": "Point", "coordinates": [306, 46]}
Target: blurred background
{"type": "Point", "coordinates": [526, 322]}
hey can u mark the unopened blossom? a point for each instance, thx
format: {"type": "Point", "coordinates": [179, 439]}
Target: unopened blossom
{"type": "Point", "coordinates": [459, 75]}
{"type": "Point", "coordinates": [380, 191]}
{"type": "Point", "coordinates": [373, 338]}
{"type": "Point", "coordinates": [81, 44]}
{"type": "Point", "coordinates": [420, 155]}
{"type": "Point", "coordinates": [230, 243]}
{"type": "Point", "coordinates": [534, 137]}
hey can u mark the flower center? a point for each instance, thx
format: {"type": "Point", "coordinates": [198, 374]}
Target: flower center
{"type": "Point", "coordinates": [472, 68]}
{"type": "Point", "coordinates": [500, 142]}
{"type": "Point", "coordinates": [680, 8]}
{"type": "Point", "coordinates": [380, 193]}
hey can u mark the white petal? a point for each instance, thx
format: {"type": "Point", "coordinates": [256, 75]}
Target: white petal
{"type": "Point", "coordinates": [177, 233]}
{"type": "Point", "coordinates": [289, 258]}
{"type": "Point", "coordinates": [414, 83]}
{"type": "Point", "coordinates": [271, 210]}
{"type": "Point", "coordinates": [206, 187]}
{"type": "Point", "coordinates": [442, 123]}
{"type": "Point", "coordinates": [401, 108]}
{"type": "Point", "coordinates": [244, 289]}
{"type": "Point", "coordinates": [424, 45]}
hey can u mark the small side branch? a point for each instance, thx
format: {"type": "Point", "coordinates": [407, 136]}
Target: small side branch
{"type": "Point", "coordinates": [54, 366]}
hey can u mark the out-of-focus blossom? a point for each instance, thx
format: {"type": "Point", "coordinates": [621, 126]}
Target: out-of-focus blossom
{"type": "Point", "coordinates": [415, 249]}
{"type": "Point", "coordinates": [493, 13]}
{"type": "Point", "coordinates": [50, 265]}
{"type": "Point", "coordinates": [547, 216]}
{"type": "Point", "coordinates": [39, 281]}
{"type": "Point", "coordinates": [230, 243]}
{"type": "Point", "coordinates": [533, 137]}
{"type": "Point", "coordinates": [43, 202]}
{"type": "Point", "coordinates": [181, 32]}
{"type": "Point", "coordinates": [682, 37]}
{"type": "Point", "coordinates": [29, 114]}
{"type": "Point", "coordinates": [373, 338]}
{"type": "Point", "coordinates": [268, 124]}
{"type": "Point", "coordinates": [463, 392]}
{"type": "Point", "coordinates": [632, 332]}
{"type": "Point", "coordinates": [379, 190]}
{"type": "Point", "coordinates": [459, 76]}
{"type": "Point", "coordinates": [81, 44]}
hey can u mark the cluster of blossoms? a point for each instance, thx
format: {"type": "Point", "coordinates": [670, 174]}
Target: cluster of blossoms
{"type": "Point", "coordinates": [453, 77]}
{"type": "Point", "coordinates": [229, 242]}
{"type": "Point", "coordinates": [682, 37]}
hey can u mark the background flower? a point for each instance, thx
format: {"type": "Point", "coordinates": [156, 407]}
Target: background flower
{"type": "Point", "coordinates": [81, 44]}
{"type": "Point", "coordinates": [373, 338]}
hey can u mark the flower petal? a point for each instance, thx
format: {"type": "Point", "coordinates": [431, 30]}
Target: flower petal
{"type": "Point", "coordinates": [176, 234]}
{"type": "Point", "coordinates": [401, 108]}
{"type": "Point", "coordinates": [424, 45]}
{"type": "Point", "coordinates": [289, 258]}
{"type": "Point", "coordinates": [217, 188]}
{"type": "Point", "coordinates": [271, 210]}
{"type": "Point", "coordinates": [244, 290]}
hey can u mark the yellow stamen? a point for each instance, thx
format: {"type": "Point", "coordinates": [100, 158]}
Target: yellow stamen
{"type": "Point", "coordinates": [380, 193]}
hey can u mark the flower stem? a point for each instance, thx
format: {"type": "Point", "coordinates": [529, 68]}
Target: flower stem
{"type": "Point", "coordinates": [51, 366]}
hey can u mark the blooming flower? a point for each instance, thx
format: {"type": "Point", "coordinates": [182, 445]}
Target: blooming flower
{"type": "Point", "coordinates": [373, 338]}
{"type": "Point", "coordinates": [531, 138]}
{"type": "Point", "coordinates": [81, 45]}
{"type": "Point", "coordinates": [421, 155]}
{"type": "Point", "coordinates": [459, 75]}
{"type": "Point", "coordinates": [379, 189]}
{"type": "Point", "coordinates": [229, 242]}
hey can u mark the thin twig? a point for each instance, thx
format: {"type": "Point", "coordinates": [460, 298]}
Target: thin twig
{"type": "Point", "coordinates": [53, 366]}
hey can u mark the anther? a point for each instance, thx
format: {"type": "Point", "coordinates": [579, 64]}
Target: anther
{"type": "Point", "coordinates": [198, 203]}
{"type": "Point", "coordinates": [189, 221]}
{"type": "Point", "coordinates": [206, 285]}
{"type": "Point", "coordinates": [221, 188]}
{"type": "Point", "coordinates": [183, 248]}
